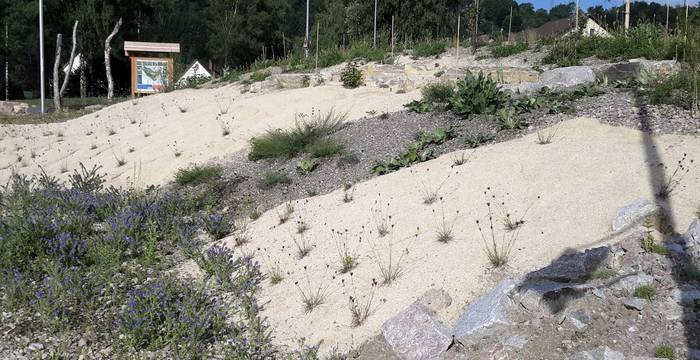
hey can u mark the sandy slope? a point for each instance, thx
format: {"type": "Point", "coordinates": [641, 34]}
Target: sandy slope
{"type": "Point", "coordinates": [195, 134]}
{"type": "Point", "coordinates": [583, 177]}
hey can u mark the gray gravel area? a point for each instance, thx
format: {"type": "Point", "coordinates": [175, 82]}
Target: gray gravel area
{"type": "Point", "coordinates": [376, 138]}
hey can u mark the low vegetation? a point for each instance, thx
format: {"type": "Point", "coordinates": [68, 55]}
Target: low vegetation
{"type": "Point", "coordinates": [198, 174]}
{"type": "Point", "coordinates": [289, 143]}
{"type": "Point", "coordinates": [417, 151]}
{"type": "Point", "coordinates": [429, 48]}
{"type": "Point", "coordinates": [351, 76]}
{"type": "Point", "coordinates": [505, 50]}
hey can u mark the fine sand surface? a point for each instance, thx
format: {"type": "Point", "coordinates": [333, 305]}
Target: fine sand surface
{"type": "Point", "coordinates": [196, 135]}
{"type": "Point", "coordinates": [583, 177]}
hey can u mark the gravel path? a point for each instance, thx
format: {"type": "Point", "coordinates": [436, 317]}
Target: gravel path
{"type": "Point", "coordinates": [376, 138]}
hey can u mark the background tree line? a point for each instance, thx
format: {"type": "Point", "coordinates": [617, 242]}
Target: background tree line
{"type": "Point", "coordinates": [234, 33]}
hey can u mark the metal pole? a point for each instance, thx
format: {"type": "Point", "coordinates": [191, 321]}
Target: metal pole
{"type": "Point", "coordinates": [318, 34]}
{"type": "Point", "coordinates": [627, 14]}
{"type": "Point", "coordinates": [306, 41]}
{"type": "Point", "coordinates": [667, 12]}
{"type": "Point", "coordinates": [510, 19]}
{"type": "Point", "coordinates": [392, 36]}
{"type": "Point", "coordinates": [41, 53]}
{"type": "Point", "coordinates": [459, 24]}
{"type": "Point", "coordinates": [576, 20]}
{"type": "Point", "coordinates": [7, 63]}
{"type": "Point", "coordinates": [375, 24]}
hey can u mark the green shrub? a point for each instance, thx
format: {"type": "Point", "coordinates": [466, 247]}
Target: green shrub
{"type": "Point", "coordinates": [325, 148]}
{"type": "Point", "coordinates": [477, 95]}
{"type": "Point", "coordinates": [419, 106]}
{"type": "Point", "coordinates": [477, 140]}
{"type": "Point", "coordinates": [198, 174]}
{"type": "Point", "coordinates": [306, 166]}
{"type": "Point", "coordinates": [365, 51]}
{"type": "Point", "coordinates": [665, 352]}
{"type": "Point", "coordinates": [505, 50]}
{"type": "Point", "coordinates": [271, 178]}
{"type": "Point", "coordinates": [417, 151]}
{"type": "Point", "coordinates": [288, 143]}
{"type": "Point", "coordinates": [259, 76]}
{"type": "Point", "coordinates": [351, 76]}
{"type": "Point", "coordinates": [330, 57]}
{"type": "Point", "coordinates": [644, 292]}
{"type": "Point", "coordinates": [429, 48]}
{"type": "Point", "coordinates": [437, 92]}
{"type": "Point", "coordinates": [679, 89]}
{"type": "Point", "coordinates": [508, 120]}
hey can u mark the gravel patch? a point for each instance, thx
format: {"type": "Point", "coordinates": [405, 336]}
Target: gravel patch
{"type": "Point", "coordinates": [376, 138]}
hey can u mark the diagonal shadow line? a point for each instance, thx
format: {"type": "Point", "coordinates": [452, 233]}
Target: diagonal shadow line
{"type": "Point", "coordinates": [658, 180]}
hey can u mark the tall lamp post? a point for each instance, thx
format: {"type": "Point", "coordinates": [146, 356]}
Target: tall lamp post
{"type": "Point", "coordinates": [306, 39]}
{"type": "Point", "coordinates": [41, 52]}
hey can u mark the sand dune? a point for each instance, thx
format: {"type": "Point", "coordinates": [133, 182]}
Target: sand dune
{"type": "Point", "coordinates": [583, 177]}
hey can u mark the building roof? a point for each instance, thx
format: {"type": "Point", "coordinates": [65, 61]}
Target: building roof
{"type": "Point", "coordinates": [153, 47]}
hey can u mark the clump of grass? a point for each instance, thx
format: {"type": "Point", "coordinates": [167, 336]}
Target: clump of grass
{"type": "Point", "coordinates": [390, 267]}
{"type": "Point", "coordinates": [665, 351]}
{"type": "Point", "coordinates": [346, 256]}
{"type": "Point", "coordinates": [460, 158]}
{"type": "Point", "coordinates": [649, 243]}
{"type": "Point", "coordinates": [272, 178]}
{"type": "Point", "coordinates": [360, 309]}
{"type": "Point", "coordinates": [275, 273]}
{"type": "Point", "coordinates": [510, 221]}
{"type": "Point", "coordinates": [348, 193]}
{"type": "Point", "coordinates": [505, 50]}
{"type": "Point", "coordinates": [289, 143]}
{"type": "Point", "coordinates": [430, 194]}
{"type": "Point", "coordinates": [225, 127]}
{"type": "Point", "coordinates": [381, 217]}
{"type": "Point", "coordinates": [429, 48]}
{"type": "Point", "coordinates": [325, 148]}
{"type": "Point", "coordinates": [644, 292]}
{"type": "Point", "coordinates": [546, 136]}
{"type": "Point", "coordinates": [497, 248]}
{"type": "Point", "coordinates": [302, 226]}
{"type": "Point", "coordinates": [286, 212]}
{"type": "Point", "coordinates": [438, 93]}
{"type": "Point", "coordinates": [601, 274]}
{"type": "Point", "coordinates": [303, 246]}
{"type": "Point", "coordinates": [306, 166]}
{"type": "Point", "coordinates": [198, 174]}
{"type": "Point", "coordinates": [508, 119]}
{"type": "Point", "coordinates": [445, 229]}
{"type": "Point", "coordinates": [223, 103]}
{"type": "Point", "coordinates": [310, 297]}
{"type": "Point", "coordinates": [252, 210]}
{"type": "Point", "coordinates": [672, 181]}
{"type": "Point", "coordinates": [110, 132]}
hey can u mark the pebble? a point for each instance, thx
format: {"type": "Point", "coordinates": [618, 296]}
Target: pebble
{"type": "Point", "coordinates": [35, 347]}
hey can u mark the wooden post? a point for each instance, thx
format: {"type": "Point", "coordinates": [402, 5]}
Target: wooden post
{"type": "Point", "coordinates": [7, 63]}
{"type": "Point", "coordinates": [510, 19]}
{"type": "Point", "coordinates": [284, 47]}
{"type": "Point", "coordinates": [667, 14]}
{"type": "Point", "coordinates": [627, 14]}
{"type": "Point", "coordinates": [575, 20]}
{"type": "Point", "coordinates": [318, 32]}
{"type": "Point", "coordinates": [459, 25]}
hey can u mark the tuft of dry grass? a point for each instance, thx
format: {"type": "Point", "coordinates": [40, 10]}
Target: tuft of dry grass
{"type": "Point", "coordinates": [303, 246]}
{"type": "Point", "coordinates": [461, 158]}
{"type": "Point", "coordinates": [346, 256]}
{"type": "Point", "coordinates": [302, 227]}
{"type": "Point", "coordinates": [672, 181]}
{"type": "Point", "coordinates": [381, 218]}
{"type": "Point", "coordinates": [361, 307]}
{"type": "Point", "coordinates": [546, 136]}
{"type": "Point", "coordinates": [445, 228]}
{"type": "Point", "coordinates": [310, 297]}
{"type": "Point", "coordinates": [431, 194]}
{"type": "Point", "coordinates": [348, 193]}
{"type": "Point", "coordinates": [286, 214]}
{"type": "Point", "coordinates": [390, 267]}
{"type": "Point", "coordinates": [497, 249]}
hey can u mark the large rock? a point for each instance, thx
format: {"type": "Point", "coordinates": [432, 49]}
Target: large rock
{"type": "Point", "coordinates": [484, 312]}
{"type": "Point", "coordinates": [618, 71]}
{"type": "Point", "coordinates": [632, 213]}
{"type": "Point", "coordinates": [572, 267]}
{"type": "Point", "coordinates": [291, 81]}
{"type": "Point", "coordinates": [376, 348]}
{"type": "Point", "coordinates": [601, 353]}
{"type": "Point", "coordinates": [415, 334]}
{"type": "Point", "coordinates": [629, 283]}
{"type": "Point", "coordinates": [568, 77]}
{"type": "Point", "coordinates": [14, 107]}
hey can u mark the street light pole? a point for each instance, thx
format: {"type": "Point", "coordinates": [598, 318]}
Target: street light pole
{"type": "Point", "coordinates": [41, 52]}
{"type": "Point", "coordinates": [375, 24]}
{"type": "Point", "coordinates": [306, 40]}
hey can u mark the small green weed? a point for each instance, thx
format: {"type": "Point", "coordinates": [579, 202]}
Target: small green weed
{"type": "Point", "coordinates": [306, 166]}
{"type": "Point", "coordinates": [644, 292]}
{"type": "Point", "coordinates": [272, 178]}
{"type": "Point", "coordinates": [198, 174]}
{"type": "Point", "coordinates": [665, 351]}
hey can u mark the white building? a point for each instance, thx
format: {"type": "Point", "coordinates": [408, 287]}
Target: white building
{"type": "Point", "coordinates": [195, 71]}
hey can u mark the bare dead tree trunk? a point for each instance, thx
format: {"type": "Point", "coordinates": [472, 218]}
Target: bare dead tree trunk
{"type": "Point", "coordinates": [83, 81]}
{"type": "Point", "coordinates": [60, 90]}
{"type": "Point", "coordinates": [108, 64]}
{"type": "Point", "coordinates": [56, 65]}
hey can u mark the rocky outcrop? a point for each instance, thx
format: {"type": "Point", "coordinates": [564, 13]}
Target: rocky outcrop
{"type": "Point", "coordinates": [13, 107]}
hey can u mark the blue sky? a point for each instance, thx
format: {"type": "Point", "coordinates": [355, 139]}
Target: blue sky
{"type": "Point", "coordinates": [585, 4]}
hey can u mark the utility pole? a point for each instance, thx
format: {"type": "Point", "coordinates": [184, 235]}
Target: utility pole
{"type": "Point", "coordinates": [41, 53]}
{"type": "Point", "coordinates": [306, 39]}
{"type": "Point", "coordinates": [475, 36]}
{"type": "Point", "coordinates": [392, 36]}
{"type": "Point", "coordinates": [576, 20]}
{"type": "Point", "coordinates": [627, 14]}
{"type": "Point", "coordinates": [667, 12]}
{"type": "Point", "coordinates": [459, 25]}
{"type": "Point", "coordinates": [7, 62]}
{"type": "Point", "coordinates": [375, 24]}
